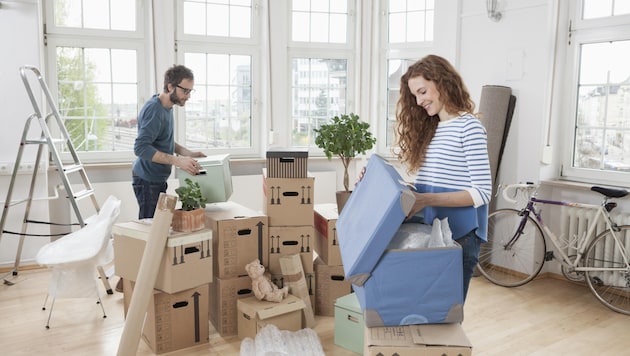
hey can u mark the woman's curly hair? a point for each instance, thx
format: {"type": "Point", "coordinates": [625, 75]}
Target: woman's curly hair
{"type": "Point", "coordinates": [414, 127]}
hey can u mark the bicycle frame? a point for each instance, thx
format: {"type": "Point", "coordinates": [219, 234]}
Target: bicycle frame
{"type": "Point", "coordinates": [583, 244]}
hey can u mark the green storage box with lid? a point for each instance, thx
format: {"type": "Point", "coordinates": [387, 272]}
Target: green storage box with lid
{"type": "Point", "coordinates": [215, 178]}
{"type": "Point", "coordinates": [349, 323]}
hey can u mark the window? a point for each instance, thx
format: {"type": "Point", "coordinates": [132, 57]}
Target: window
{"type": "Point", "coordinates": [93, 54]}
{"type": "Point", "coordinates": [408, 37]}
{"type": "Point", "coordinates": [319, 85]}
{"type": "Point", "coordinates": [283, 66]}
{"type": "Point", "coordinates": [219, 42]}
{"type": "Point", "coordinates": [600, 136]}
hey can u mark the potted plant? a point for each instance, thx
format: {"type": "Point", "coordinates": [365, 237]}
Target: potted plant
{"type": "Point", "coordinates": [345, 136]}
{"type": "Point", "coordinates": [191, 216]}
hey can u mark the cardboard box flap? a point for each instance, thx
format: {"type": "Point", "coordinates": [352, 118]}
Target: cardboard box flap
{"type": "Point", "coordinates": [230, 210]}
{"type": "Point", "coordinates": [374, 212]}
{"type": "Point", "coordinates": [265, 310]}
{"type": "Point", "coordinates": [449, 335]}
{"type": "Point", "coordinates": [439, 335]}
{"type": "Point", "coordinates": [280, 309]}
{"type": "Point", "coordinates": [140, 230]}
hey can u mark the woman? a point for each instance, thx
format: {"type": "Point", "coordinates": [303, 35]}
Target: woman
{"type": "Point", "coordinates": [440, 139]}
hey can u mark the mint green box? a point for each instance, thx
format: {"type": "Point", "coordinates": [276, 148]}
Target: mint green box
{"type": "Point", "coordinates": [215, 178]}
{"type": "Point", "coordinates": [349, 323]}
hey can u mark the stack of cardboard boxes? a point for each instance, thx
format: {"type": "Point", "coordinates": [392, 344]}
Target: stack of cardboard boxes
{"type": "Point", "coordinates": [289, 205]}
{"type": "Point", "coordinates": [177, 316]}
{"type": "Point", "coordinates": [411, 298]}
{"type": "Point", "coordinates": [238, 233]}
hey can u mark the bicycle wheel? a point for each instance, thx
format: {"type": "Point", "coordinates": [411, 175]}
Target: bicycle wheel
{"type": "Point", "coordinates": [611, 287]}
{"type": "Point", "coordinates": [511, 257]}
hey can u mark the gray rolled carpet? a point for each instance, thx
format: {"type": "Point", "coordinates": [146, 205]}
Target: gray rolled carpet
{"type": "Point", "coordinates": [496, 107]}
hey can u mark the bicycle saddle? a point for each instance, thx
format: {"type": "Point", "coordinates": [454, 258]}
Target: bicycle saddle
{"type": "Point", "coordinates": [611, 193]}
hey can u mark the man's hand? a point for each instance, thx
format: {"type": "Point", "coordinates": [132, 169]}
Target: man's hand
{"type": "Point", "coordinates": [188, 164]}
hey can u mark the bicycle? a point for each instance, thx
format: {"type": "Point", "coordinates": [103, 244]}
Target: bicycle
{"type": "Point", "coordinates": [516, 249]}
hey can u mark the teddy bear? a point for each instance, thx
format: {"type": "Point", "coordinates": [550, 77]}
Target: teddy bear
{"type": "Point", "coordinates": [263, 288]}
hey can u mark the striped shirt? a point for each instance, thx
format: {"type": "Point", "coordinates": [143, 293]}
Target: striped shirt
{"type": "Point", "coordinates": [456, 160]}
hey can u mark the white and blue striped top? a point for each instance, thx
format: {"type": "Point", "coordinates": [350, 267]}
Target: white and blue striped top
{"type": "Point", "coordinates": [456, 160]}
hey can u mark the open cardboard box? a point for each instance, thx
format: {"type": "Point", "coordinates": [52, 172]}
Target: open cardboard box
{"type": "Point", "coordinates": [395, 286]}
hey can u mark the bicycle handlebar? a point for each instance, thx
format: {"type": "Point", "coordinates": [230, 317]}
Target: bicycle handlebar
{"type": "Point", "coordinates": [516, 187]}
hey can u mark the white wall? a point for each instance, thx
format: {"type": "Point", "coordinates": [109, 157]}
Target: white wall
{"type": "Point", "coordinates": [514, 52]}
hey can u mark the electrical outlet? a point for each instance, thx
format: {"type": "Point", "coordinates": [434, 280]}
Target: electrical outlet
{"type": "Point", "coordinates": [6, 169]}
{"type": "Point", "coordinates": [25, 168]}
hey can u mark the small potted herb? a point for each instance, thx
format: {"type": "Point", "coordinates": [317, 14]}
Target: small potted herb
{"type": "Point", "coordinates": [191, 216]}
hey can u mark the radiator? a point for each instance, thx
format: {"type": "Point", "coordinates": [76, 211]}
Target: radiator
{"type": "Point", "coordinates": [575, 223]}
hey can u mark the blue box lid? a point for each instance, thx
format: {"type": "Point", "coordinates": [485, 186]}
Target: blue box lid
{"type": "Point", "coordinates": [371, 217]}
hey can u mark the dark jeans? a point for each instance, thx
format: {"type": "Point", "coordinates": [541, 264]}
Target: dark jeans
{"type": "Point", "coordinates": [147, 195]}
{"type": "Point", "coordinates": [470, 252]}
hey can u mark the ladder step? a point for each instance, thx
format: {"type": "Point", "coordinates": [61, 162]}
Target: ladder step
{"type": "Point", "coordinates": [43, 141]}
{"type": "Point", "coordinates": [83, 194]}
{"type": "Point", "coordinates": [72, 168]}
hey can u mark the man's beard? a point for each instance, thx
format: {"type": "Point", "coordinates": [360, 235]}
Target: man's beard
{"type": "Point", "coordinates": [175, 100]}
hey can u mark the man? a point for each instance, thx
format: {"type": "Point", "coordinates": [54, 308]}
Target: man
{"type": "Point", "coordinates": [155, 146]}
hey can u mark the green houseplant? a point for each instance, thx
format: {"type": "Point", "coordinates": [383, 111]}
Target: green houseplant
{"type": "Point", "coordinates": [190, 195]}
{"type": "Point", "coordinates": [346, 137]}
{"type": "Point", "coordinates": [191, 216]}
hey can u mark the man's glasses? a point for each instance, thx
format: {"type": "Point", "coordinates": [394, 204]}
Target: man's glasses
{"type": "Point", "coordinates": [185, 90]}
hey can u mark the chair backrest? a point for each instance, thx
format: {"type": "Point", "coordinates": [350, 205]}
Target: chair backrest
{"type": "Point", "coordinates": [85, 244]}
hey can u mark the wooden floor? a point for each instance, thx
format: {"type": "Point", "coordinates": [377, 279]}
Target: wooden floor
{"type": "Point", "coordinates": [545, 317]}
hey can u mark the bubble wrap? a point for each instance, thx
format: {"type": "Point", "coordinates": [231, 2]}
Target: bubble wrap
{"type": "Point", "coordinates": [270, 341]}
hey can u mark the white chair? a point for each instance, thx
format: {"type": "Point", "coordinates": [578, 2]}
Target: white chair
{"type": "Point", "coordinates": [75, 257]}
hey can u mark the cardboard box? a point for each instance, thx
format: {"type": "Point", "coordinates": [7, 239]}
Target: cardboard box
{"type": "Point", "coordinates": [174, 321]}
{"type": "Point", "coordinates": [289, 240]}
{"type": "Point", "coordinates": [186, 262]}
{"type": "Point", "coordinates": [215, 177]}
{"type": "Point", "coordinates": [287, 163]}
{"type": "Point", "coordinates": [331, 284]}
{"type": "Point", "coordinates": [223, 296]}
{"type": "Point", "coordinates": [288, 201]}
{"type": "Point", "coordinates": [238, 236]}
{"type": "Point", "coordinates": [395, 286]}
{"type": "Point", "coordinates": [254, 314]}
{"type": "Point", "coordinates": [326, 241]}
{"type": "Point", "coordinates": [415, 340]}
{"type": "Point", "coordinates": [349, 324]}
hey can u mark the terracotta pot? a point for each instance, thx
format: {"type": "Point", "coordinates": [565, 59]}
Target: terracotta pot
{"type": "Point", "coordinates": [342, 198]}
{"type": "Point", "coordinates": [188, 221]}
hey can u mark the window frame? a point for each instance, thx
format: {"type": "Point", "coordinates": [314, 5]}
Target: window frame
{"type": "Point", "coordinates": [400, 51]}
{"type": "Point", "coordinates": [252, 47]}
{"type": "Point", "coordinates": [256, 107]}
{"type": "Point", "coordinates": [350, 51]}
{"type": "Point", "coordinates": [584, 32]}
{"type": "Point", "coordinates": [56, 36]}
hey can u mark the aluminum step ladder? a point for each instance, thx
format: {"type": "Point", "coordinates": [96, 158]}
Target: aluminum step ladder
{"type": "Point", "coordinates": [66, 172]}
